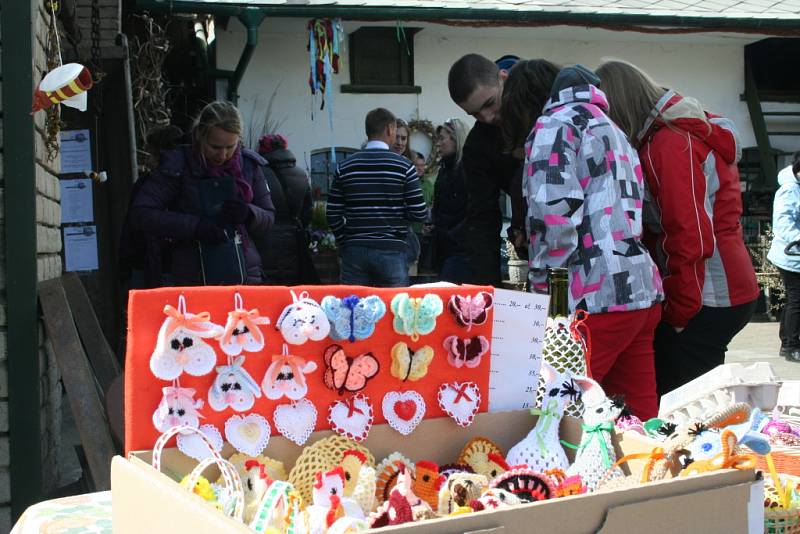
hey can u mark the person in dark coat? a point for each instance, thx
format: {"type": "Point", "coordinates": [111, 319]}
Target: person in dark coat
{"type": "Point", "coordinates": [169, 205]}
{"type": "Point", "coordinates": [449, 199]}
{"type": "Point", "coordinates": [476, 86]}
{"type": "Point", "coordinates": [284, 250]}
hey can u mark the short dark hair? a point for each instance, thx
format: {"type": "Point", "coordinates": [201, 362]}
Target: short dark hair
{"type": "Point", "coordinates": [377, 120]}
{"type": "Point", "coordinates": [468, 73]}
{"type": "Point", "coordinates": [418, 155]}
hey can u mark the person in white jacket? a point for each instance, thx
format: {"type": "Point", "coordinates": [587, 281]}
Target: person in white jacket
{"type": "Point", "coordinates": [785, 255]}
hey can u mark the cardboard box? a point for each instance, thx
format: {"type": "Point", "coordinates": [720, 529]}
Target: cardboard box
{"type": "Point", "coordinates": [725, 501]}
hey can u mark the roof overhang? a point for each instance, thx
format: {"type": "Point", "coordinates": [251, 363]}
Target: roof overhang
{"type": "Point", "coordinates": [511, 14]}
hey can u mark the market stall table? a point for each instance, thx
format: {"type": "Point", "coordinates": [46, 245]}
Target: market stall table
{"type": "Point", "coordinates": [80, 514]}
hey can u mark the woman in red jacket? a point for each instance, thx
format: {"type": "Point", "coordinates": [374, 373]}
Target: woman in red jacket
{"type": "Point", "coordinates": [689, 157]}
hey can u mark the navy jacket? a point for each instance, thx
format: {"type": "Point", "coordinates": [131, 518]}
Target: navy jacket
{"type": "Point", "coordinates": [168, 206]}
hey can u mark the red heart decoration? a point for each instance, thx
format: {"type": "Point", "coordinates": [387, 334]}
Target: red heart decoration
{"type": "Point", "coordinates": [405, 410]}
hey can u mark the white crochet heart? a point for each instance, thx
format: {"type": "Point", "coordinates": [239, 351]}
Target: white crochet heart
{"type": "Point", "coordinates": [352, 418]}
{"type": "Point", "coordinates": [194, 446]}
{"type": "Point", "coordinates": [403, 410]}
{"type": "Point", "coordinates": [296, 421]}
{"type": "Point", "coordinates": [249, 434]}
{"type": "Point", "coordinates": [460, 400]}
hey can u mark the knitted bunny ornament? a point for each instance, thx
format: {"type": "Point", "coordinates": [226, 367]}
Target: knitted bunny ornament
{"type": "Point", "coordinates": [596, 454]}
{"type": "Point", "coordinates": [540, 449]}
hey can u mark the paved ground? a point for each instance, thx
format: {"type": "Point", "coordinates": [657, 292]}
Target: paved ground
{"type": "Point", "coordinates": [759, 342]}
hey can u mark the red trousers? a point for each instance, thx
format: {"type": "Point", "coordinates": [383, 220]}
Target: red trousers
{"type": "Point", "coordinates": [622, 357]}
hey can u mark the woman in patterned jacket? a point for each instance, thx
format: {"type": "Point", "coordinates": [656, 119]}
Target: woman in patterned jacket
{"type": "Point", "coordinates": [585, 190]}
{"type": "Point", "coordinates": [690, 163]}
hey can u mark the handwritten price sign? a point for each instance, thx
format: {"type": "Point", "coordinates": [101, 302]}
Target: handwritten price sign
{"type": "Point", "coordinates": [517, 334]}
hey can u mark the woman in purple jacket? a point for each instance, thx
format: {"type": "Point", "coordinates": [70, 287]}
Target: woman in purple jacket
{"type": "Point", "coordinates": [169, 206]}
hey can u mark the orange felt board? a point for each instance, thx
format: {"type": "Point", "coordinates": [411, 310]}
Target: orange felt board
{"type": "Point", "coordinates": [143, 390]}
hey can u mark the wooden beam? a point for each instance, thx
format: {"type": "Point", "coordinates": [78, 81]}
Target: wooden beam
{"type": "Point", "coordinates": [79, 381]}
{"type": "Point", "coordinates": [19, 250]}
{"type": "Point", "coordinates": [104, 362]}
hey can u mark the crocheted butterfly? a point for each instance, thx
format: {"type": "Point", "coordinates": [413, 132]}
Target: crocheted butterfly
{"type": "Point", "coordinates": [241, 331]}
{"type": "Point", "coordinates": [233, 387]}
{"type": "Point", "coordinates": [285, 376]}
{"type": "Point", "coordinates": [178, 407]}
{"type": "Point", "coordinates": [408, 364]}
{"type": "Point", "coordinates": [465, 352]}
{"type": "Point", "coordinates": [303, 320]}
{"type": "Point", "coordinates": [353, 317]}
{"type": "Point", "coordinates": [415, 316]}
{"type": "Point", "coordinates": [471, 310]}
{"type": "Point", "coordinates": [343, 373]}
{"type": "Point", "coordinates": [180, 347]}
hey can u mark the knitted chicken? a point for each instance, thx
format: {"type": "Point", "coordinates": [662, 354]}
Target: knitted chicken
{"type": "Point", "coordinates": [359, 479]}
{"type": "Point", "coordinates": [494, 499]}
{"type": "Point", "coordinates": [426, 483]}
{"type": "Point", "coordinates": [329, 502]}
{"type": "Point", "coordinates": [255, 485]}
{"type": "Point", "coordinates": [541, 450]}
{"type": "Point", "coordinates": [459, 490]}
{"type": "Point", "coordinates": [402, 506]}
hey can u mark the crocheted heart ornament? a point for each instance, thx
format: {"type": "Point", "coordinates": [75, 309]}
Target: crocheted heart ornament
{"type": "Point", "coordinates": [351, 417]}
{"type": "Point", "coordinates": [194, 446]}
{"type": "Point", "coordinates": [296, 421]}
{"type": "Point", "coordinates": [403, 410]}
{"type": "Point", "coordinates": [460, 401]}
{"type": "Point", "coordinates": [248, 434]}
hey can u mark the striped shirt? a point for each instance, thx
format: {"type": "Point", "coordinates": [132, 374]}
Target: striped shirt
{"type": "Point", "coordinates": [374, 196]}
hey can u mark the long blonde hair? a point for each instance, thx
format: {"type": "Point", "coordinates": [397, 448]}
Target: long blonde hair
{"type": "Point", "coordinates": [631, 93]}
{"type": "Point", "coordinates": [458, 131]}
{"type": "Point", "coordinates": [218, 114]}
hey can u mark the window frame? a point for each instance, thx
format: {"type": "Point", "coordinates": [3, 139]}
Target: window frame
{"type": "Point", "coordinates": [405, 61]}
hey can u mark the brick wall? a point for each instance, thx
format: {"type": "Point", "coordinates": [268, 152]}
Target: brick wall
{"type": "Point", "coordinates": [48, 220]}
{"type": "Point", "coordinates": [109, 21]}
{"type": "Point", "coordinates": [48, 262]}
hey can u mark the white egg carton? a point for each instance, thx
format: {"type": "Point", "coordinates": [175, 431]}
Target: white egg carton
{"type": "Point", "coordinates": [755, 384]}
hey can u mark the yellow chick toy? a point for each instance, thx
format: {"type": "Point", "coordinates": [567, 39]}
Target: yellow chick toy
{"type": "Point", "coordinates": [202, 488]}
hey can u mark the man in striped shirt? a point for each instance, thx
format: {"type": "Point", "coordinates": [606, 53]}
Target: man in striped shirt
{"type": "Point", "coordinates": [374, 196]}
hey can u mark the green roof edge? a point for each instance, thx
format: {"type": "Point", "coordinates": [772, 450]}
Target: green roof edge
{"type": "Point", "coordinates": [434, 14]}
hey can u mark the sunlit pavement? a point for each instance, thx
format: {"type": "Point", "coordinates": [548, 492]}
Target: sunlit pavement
{"type": "Point", "coordinates": [759, 342]}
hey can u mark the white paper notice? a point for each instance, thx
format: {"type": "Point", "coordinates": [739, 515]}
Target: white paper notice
{"type": "Point", "coordinates": [76, 151]}
{"type": "Point", "coordinates": [80, 248]}
{"type": "Point", "coordinates": [517, 335]}
{"type": "Point", "coordinates": [76, 201]}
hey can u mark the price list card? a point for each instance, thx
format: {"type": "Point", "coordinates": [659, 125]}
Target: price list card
{"type": "Point", "coordinates": [517, 336]}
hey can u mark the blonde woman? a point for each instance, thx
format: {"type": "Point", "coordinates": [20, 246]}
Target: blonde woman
{"type": "Point", "coordinates": [208, 228]}
{"type": "Point", "coordinates": [689, 158]}
{"type": "Point", "coordinates": [449, 203]}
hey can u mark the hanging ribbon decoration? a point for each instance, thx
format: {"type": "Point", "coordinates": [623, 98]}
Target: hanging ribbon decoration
{"type": "Point", "coordinates": [584, 338]}
{"type": "Point", "coordinates": [324, 39]}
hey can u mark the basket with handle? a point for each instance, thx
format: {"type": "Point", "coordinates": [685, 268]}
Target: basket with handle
{"type": "Point", "coordinates": [231, 480]}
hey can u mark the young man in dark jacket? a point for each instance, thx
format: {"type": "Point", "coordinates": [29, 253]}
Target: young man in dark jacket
{"type": "Point", "coordinates": [374, 196]}
{"type": "Point", "coordinates": [476, 85]}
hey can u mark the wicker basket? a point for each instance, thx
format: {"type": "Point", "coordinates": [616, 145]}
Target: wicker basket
{"type": "Point", "coordinates": [787, 460]}
{"type": "Point", "coordinates": [322, 456]}
{"type": "Point", "coordinates": [782, 521]}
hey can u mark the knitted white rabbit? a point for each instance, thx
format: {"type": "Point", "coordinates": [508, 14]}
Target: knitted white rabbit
{"type": "Point", "coordinates": [541, 450]}
{"type": "Point", "coordinates": [596, 456]}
